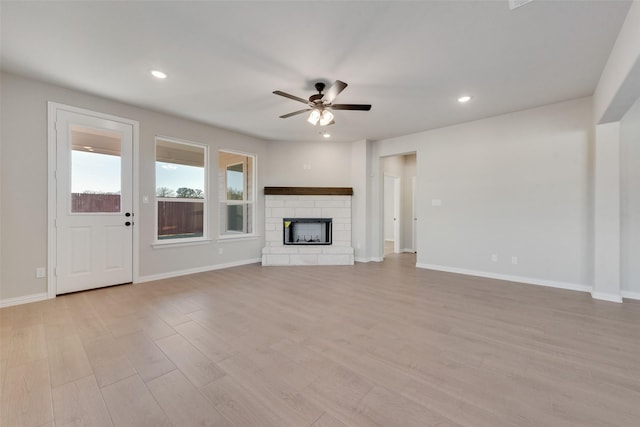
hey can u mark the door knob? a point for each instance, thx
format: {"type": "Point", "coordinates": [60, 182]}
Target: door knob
{"type": "Point", "coordinates": [127, 223]}
{"type": "Point", "coordinates": [127, 214]}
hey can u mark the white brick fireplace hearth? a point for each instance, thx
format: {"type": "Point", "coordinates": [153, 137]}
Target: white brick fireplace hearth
{"type": "Point", "coordinates": [279, 206]}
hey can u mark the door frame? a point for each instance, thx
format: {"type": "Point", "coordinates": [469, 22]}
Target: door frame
{"type": "Point", "coordinates": [52, 256]}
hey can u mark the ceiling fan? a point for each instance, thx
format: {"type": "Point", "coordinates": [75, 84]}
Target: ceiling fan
{"type": "Point", "coordinates": [319, 104]}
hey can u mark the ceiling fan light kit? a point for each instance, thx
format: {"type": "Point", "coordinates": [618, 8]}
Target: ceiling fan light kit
{"type": "Point", "coordinates": [319, 104]}
{"type": "Point", "coordinates": [326, 118]}
{"type": "Point", "coordinates": [321, 117]}
{"type": "Point", "coordinates": [314, 117]}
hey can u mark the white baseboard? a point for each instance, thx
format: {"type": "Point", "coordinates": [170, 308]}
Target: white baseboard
{"type": "Point", "coordinates": [630, 295]}
{"type": "Point", "coordinates": [171, 274]}
{"type": "Point", "coordinates": [8, 302]}
{"type": "Point", "coordinates": [519, 279]}
{"type": "Point", "coordinates": [371, 259]}
{"type": "Point", "coordinates": [408, 250]}
{"type": "Point", "coordinates": [606, 296]}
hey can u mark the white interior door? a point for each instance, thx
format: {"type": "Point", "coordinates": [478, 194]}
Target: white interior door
{"type": "Point", "coordinates": [94, 201]}
{"type": "Point", "coordinates": [414, 217]}
{"type": "Point", "coordinates": [396, 214]}
{"type": "Point", "coordinates": [391, 214]}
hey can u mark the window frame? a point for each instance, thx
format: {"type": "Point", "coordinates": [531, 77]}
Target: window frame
{"type": "Point", "coordinates": [181, 241]}
{"type": "Point", "coordinates": [245, 202]}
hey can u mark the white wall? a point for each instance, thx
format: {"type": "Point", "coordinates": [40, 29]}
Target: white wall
{"type": "Point", "coordinates": [630, 200]}
{"type": "Point", "coordinates": [24, 185]}
{"type": "Point", "coordinates": [512, 185]}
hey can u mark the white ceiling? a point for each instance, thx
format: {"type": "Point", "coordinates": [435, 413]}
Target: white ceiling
{"type": "Point", "coordinates": [411, 60]}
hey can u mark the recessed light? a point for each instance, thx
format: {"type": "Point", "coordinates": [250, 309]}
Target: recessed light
{"type": "Point", "coordinates": [464, 99]}
{"type": "Point", "coordinates": [158, 74]}
{"type": "Point", "coordinates": [326, 135]}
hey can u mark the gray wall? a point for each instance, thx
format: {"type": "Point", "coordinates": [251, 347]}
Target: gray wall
{"type": "Point", "coordinates": [24, 185]}
{"type": "Point", "coordinates": [519, 184]}
{"type": "Point", "coordinates": [304, 164]}
{"type": "Point", "coordinates": [512, 185]}
{"type": "Point", "coordinates": [630, 200]}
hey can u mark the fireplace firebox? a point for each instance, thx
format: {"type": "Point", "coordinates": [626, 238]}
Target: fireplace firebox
{"type": "Point", "coordinates": [307, 231]}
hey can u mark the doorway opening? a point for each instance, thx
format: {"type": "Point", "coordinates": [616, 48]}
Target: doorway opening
{"type": "Point", "coordinates": [399, 193]}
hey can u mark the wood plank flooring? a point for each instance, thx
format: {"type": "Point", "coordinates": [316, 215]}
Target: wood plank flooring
{"type": "Point", "coordinates": [378, 344]}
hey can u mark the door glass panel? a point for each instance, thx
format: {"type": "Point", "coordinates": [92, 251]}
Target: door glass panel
{"type": "Point", "coordinates": [95, 170]}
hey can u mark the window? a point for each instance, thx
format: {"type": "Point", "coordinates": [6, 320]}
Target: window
{"type": "Point", "coordinates": [236, 177]}
{"type": "Point", "coordinates": [95, 170]}
{"type": "Point", "coordinates": [181, 176]}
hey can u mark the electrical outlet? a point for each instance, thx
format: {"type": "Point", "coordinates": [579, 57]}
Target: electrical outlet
{"type": "Point", "coordinates": [494, 258]}
{"type": "Point", "coordinates": [514, 259]}
{"type": "Point", "coordinates": [220, 251]}
{"type": "Point", "coordinates": [41, 272]}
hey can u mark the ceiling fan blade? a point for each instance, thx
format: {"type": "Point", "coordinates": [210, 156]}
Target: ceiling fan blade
{"type": "Point", "coordinates": [295, 113]}
{"type": "Point", "coordinates": [286, 95]}
{"type": "Point", "coordinates": [359, 107]}
{"type": "Point", "coordinates": [333, 91]}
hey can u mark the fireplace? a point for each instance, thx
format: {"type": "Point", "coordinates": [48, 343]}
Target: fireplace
{"type": "Point", "coordinates": [307, 226]}
{"type": "Point", "coordinates": [306, 231]}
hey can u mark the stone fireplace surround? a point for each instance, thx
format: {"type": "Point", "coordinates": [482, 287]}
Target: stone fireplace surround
{"type": "Point", "coordinates": [307, 202]}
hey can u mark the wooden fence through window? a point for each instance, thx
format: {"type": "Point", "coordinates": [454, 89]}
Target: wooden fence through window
{"type": "Point", "coordinates": [88, 203]}
{"type": "Point", "coordinates": [175, 219]}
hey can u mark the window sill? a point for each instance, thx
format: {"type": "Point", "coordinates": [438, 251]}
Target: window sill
{"type": "Point", "coordinates": [233, 237]}
{"type": "Point", "coordinates": [177, 244]}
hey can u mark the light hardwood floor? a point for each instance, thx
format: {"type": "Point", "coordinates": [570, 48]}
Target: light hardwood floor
{"type": "Point", "coordinates": [378, 344]}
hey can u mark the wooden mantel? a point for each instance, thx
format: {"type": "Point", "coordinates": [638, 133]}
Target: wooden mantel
{"type": "Point", "coordinates": [308, 191]}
